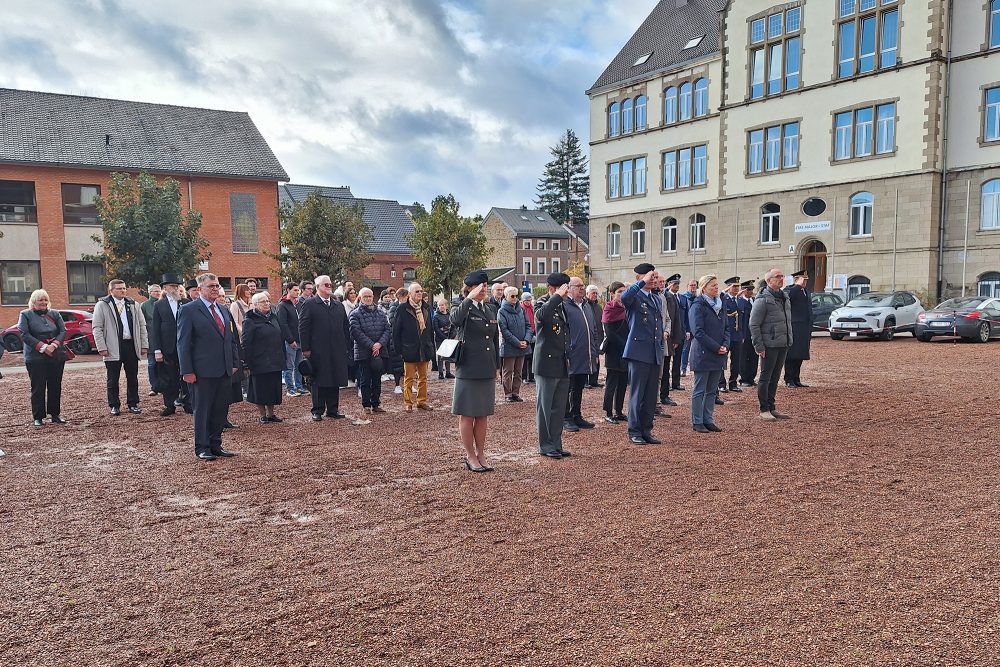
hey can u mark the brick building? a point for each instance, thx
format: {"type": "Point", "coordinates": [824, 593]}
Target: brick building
{"type": "Point", "coordinates": [532, 242]}
{"type": "Point", "coordinates": [393, 264]}
{"type": "Point", "coordinates": [57, 153]}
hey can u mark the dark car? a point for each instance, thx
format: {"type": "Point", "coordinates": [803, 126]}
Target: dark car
{"type": "Point", "coordinates": [79, 333]}
{"type": "Point", "coordinates": [824, 303]}
{"type": "Point", "coordinates": [975, 318]}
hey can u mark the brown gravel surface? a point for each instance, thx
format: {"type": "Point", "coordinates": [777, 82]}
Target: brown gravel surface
{"type": "Point", "coordinates": [862, 532]}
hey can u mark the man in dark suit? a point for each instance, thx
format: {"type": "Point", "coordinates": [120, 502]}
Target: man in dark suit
{"type": "Point", "coordinates": [674, 329]}
{"type": "Point", "coordinates": [551, 366]}
{"type": "Point", "coordinates": [208, 358]}
{"type": "Point", "coordinates": [323, 334]}
{"type": "Point", "coordinates": [748, 365]}
{"type": "Point", "coordinates": [674, 287]}
{"type": "Point", "coordinates": [644, 352]}
{"type": "Point", "coordinates": [734, 311]}
{"type": "Point", "coordinates": [153, 291]}
{"type": "Point", "coordinates": [163, 343]}
{"type": "Point", "coordinates": [802, 318]}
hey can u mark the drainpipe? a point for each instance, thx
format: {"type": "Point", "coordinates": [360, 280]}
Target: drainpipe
{"type": "Point", "coordinates": [895, 238]}
{"type": "Point", "coordinates": [736, 248]}
{"type": "Point", "coordinates": [943, 210]}
{"type": "Point", "coordinates": [965, 248]}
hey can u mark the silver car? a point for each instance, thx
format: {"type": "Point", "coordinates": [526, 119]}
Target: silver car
{"type": "Point", "coordinates": [876, 315]}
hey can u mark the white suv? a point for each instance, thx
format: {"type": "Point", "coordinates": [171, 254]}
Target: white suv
{"type": "Point", "coordinates": [876, 314]}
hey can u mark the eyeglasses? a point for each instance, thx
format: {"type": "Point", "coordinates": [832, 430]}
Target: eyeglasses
{"type": "Point", "coordinates": [326, 285]}
{"type": "Point", "coordinates": [418, 291]}
{"type": "Point", "coordinates": [211, 286]}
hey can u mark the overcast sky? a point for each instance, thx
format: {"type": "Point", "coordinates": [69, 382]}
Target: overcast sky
{"type": "Point", "coordinates": [400, 99]}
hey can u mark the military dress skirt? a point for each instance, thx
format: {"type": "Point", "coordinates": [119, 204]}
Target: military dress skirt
{"type": "Point", "coordinates": [474, 397]}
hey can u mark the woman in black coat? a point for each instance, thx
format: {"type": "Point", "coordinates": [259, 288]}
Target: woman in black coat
{"type": "Point", "coordinates": [264, 356]}
{"type": "Point", "coordinates": [371, 334]}
{"type": "Point", "coordinates": [474, 397]}
{"type": "Point", "coordinates": [615, 336]}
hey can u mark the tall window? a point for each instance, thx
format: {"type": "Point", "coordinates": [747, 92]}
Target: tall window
{"type": "Point", "coordinates": [638, 238]}
{"type": "Point", "coordinates": [527, 266]}
{"type": "Point", "coordinates": [991, 205]}
{"type": "Point", "coordinates": [640, 113]}
{"type": "Point", "coordinates": [526, 244]}
{"type": "Point", "coordinates": [701, 97]}
{"type": "Point", "coordinates": [864, 132]}
{"type": "Point", "coordinates": [698, 231]}
{"type": "Point", "coordinates": [773, 148]}
{"type": "Point", "coordinates": [614, 119]}
{"type": "Point", "coordinates": [17, 202]}
{"type": "Point", "coordinates": [858, 285]}
{"type": "Point", "coordinates": [668, 235]}
{"type": "Point", "coordinates": [640, 175]}
{"type": "Point", "coordinates": [614, 240]}
{"type": "Point", "coordinates": [541, 267]}
{"type": "Point", "coordinates": [18, 280]}
{"type": "Point", "coordinates": [862, 210]}
{"type": "Point", "coordinates": [79, 203]}
{"type": "Point", "coordinates": [988, 284]}
{"type": "Point", "coordinates": [555, 265]}
{"type": "Point", "coordinates": [86, 282]}
{"type": "Point", "coordinates": [626, 116]}
{"type": "Point", "coordinates": [627, 178]}
{"type": "Point", "coordinates": [614, 178]}
{"type": "Point", "coordinates": [994, 23]}
{"type": "Point", "coordinates": [685, 167]}
{"type": "Point", "coordinates": [243, 211]}
{"type": "Point", "coordinates": [770, 215]}
{"type": "Point", "coordinates": [685, 103]}
{"type": "Point", "coordinates": [991, 124]}
{"type": "Point", "coordinates": [776, 53]}
{"type": "Point", "coordinates": [867, 36]}
{"type": "Point", "coordinates": [541, 244]}
{"type": "Point", "coordinates": [670, 105]}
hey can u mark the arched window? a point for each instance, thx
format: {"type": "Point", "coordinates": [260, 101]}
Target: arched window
{"type": "Point", "coordinates": [614, 240]}
{"type": "Point", "coordinates": [669, 235]}
{"type": "Point", "coordinates": [626, 116]}
{"type": "Point", "coordinates": [858, 285]}
{"type": "Point", "coordinates": [685, 101]}
{"type": "Point", "coordinates": [991, 205]}
{"type": "Point", "coordinates": [638, 238]}
{"type": "Point", "coordinates": [989, 284]}
{"type": "Point", "coordinates": [640, 113]}
{"type": "Point", "coordinates": [770, 215]}
{"type": "Point", "coordinates": [701, 97]}
{"type": "Point", "coordinates": [614, 116]}
{"type": "Point", "coordinates": [670, 105]}
{"type": "Point", "coordinates": [698, 226]}
{"type": "Point", "coordinates": [862, 210]}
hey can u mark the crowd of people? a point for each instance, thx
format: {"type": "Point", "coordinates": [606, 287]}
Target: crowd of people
{"type": "Point", "coordinates": [205, 351]}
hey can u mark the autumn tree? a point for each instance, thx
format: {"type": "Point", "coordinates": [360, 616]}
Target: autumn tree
{"type": "Point", "coordinates": [322, 237]}
{"type": "Point", "coordinates": [447, 245]}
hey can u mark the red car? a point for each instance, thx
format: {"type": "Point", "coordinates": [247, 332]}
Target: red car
{"type": "Point", "coordinates": [79, 333]}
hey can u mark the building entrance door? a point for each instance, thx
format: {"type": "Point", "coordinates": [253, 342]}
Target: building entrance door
{"type": "Point", "coordinates": [814, 261]}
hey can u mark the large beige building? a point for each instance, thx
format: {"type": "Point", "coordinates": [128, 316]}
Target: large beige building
{"type": "Point", "coordinates": [858, 139]}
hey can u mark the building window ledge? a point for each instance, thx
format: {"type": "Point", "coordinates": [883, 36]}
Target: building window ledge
{"type": "Point", "coordinates": [776, 172]}
{"type": "Point", "coordinates": [860, 238]}
{"type": "Point", "coordinates": [679, 189]}
{"type": "Point", "coordinates": [614, 199]}
{"type": "Point", "coordinates": [863, 158]}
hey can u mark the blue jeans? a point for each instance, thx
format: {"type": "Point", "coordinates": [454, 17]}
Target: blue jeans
{"type": "Point", "coordinates": [151, 369]}
{"type": "Point", "coordinates": [293, 379]}
{"type": "Point", "coordinates": [706, 388]}
{"type": "Point", "coordinates": [684, 355]}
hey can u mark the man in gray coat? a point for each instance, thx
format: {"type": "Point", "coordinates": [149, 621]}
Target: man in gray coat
{"type": "Point", "coordinates": [120, 334]}
{"type": "Point", "coordinates": [584, 348]}
{"type": "Point", "coordinates": [771, 333]}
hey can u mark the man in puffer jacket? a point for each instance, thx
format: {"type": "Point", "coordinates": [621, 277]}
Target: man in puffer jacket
{"type": "Point", "coordinates": [771, 333]}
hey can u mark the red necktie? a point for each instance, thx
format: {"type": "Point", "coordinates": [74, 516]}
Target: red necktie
{"type": "Point", "coordinates": [218, 320]}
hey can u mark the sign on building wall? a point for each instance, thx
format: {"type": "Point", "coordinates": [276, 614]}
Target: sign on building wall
{"type": "Point", "coordinates": [818, 226]}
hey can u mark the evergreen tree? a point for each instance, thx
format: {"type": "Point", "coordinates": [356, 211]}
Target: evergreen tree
{"type": "Point", "coordinates": [447, 246]}
{"type": "Point", "coordinates": [564, 190]}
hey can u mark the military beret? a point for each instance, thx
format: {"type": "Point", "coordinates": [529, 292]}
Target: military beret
{"type": "Point", "coordinates": [803, 272]}
{"type": "Point", "coordinates": [476, 278]}
{"type": "Point", "coordinates": [676, 278]}
{"type": "Point", "coordinates": [557, 279]}
{"type": "Point", "coordinates": [644, 268]}
{"type": "Point", "coordinates": [735, 280]}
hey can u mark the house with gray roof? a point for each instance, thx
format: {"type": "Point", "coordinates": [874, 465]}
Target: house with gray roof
{"type": "Point", "coordinates": [531, 241]}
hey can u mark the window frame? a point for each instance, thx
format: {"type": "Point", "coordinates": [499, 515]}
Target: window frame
{"type": "Point", "coordinates": [668, 229]}
{"type": "Point", "coordinates": [768, 62]}
{"type": "Point", "coordinates": [987, 107]}
{"type": "Point", "coordinates": [637, 233]}
{"type": "Point", "coordinates": [770, 221]}
{"type": "Point", "coordinates": [29, 214]}
{"type": "Point", "coordinates": [784, 142]}
{"type": "Point", "coordinates": [252, 245]}
{"type": "Point", "coordinates": [856, 228]}
{"type": "Point", "coordinates": [675, 153]}
{"type": "Point", "coordinates": [991, 199]}
{"type": "Point", "coordinates": [541, 244]}
{"type": "Point", "coordinates": [875, 109]}
{"type": "Point", "coordinates": [614, 119]}
{"type": "Point", "coordinates": [991, 280]}
{"type": "Point", "coordinates": [697, 229]}
{"type": "Point", "coordinates": [856, 287]}
{"type": "Point", "coordinates": [527, 263]}
{"type": "Point", "coordinates": [993, 25]}
{"type": "Point", "coordinates": [100, 286]}
{"type": "Point", "coordinates": [618, 168]}
{"type": "Point", "coordinates": [75, 218]}
{"type": "Point", "coordinates": [19, 297]}
{"type": "Point", "coordinates": [541, 264]}
{"type": "Point", "coordinates": [858, 18]}
{"type": "Point", "coordinates": [614, 240]}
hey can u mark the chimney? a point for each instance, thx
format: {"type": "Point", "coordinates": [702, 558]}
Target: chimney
{"type": "Point", "coordinates": [107, 139]}
{"type": "Point", "coordinates": [523, 207]}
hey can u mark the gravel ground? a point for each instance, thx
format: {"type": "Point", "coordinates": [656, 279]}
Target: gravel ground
{"type": "Point", "coordinates": [862, 532]}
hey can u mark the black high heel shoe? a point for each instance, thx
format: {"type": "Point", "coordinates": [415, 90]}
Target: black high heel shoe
{"type": "Point", "coordinates": [469, 467]}
{"type": "Point", "coordinates": [488, 468]}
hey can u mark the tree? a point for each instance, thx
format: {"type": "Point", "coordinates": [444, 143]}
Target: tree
{"type": "Point", "coordinates": [320, 237]}
{"type": "Point", "coordinates": [447, 246]}
{"type": "Point", "coordinates": [577, 269]}
{"type": "Point", "coordinates": [564, 190]}
{"type": "Point", "coordinates": [146, 233]}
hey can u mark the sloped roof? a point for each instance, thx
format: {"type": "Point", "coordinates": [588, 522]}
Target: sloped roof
{"type": "Point", "coordinates": [665, 33]}
{"type": "Point", "coordinates": [70, 130]}
{"type": "Point", "coordinates": [498, 272]}
{"type": "Point", "coordinates": [581, 231]}
{"type": "Point", "coordinates": [388, 220]}
{"type": "Point", "coordinates": [529, 222]}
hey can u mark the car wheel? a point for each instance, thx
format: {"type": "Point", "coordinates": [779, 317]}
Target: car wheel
{"type": "Point", "coordinates": [12, 343]}
{"type": "Point", "coordinates": [984, 333]}
{"type": "Point", "coordinates": [888, 331]}
{"type": "Point", "coordinates": [80, 345]}
{"type": "Point", "coordinates": [837, 336]}
{"type": "Point", "coordinates": [924, 339]}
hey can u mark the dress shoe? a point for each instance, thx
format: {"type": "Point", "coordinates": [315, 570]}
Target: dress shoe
{"type": "Point", "coordinates": [801, 386]}
{"type": "Point", "coordinates": [134, 409]}
{"type": "Point", "coordinates": [660, 413]}
{"type": "Point", "coordinates": [551, 455]}
{"type": "Point", "coordinates": [636, 440]}
{"type": "Point", "coordinates": [671, 402]}
{"type": "Point", "coordinates": [746, 384]}
{"type": "Point", "coordinates": [650, 440]}
{"type": "Point", "coordinates": [701, 428]}
{"type": "Point", "coordinates": [178, 402]}
{"type": "Point", "coordinates": [713, 428]}
{"type": "Point", "coordinates": [565, 452]}
{"type": "Point", "coordinates": [262, 420]}
{"type": "Point", "coordinates": [583, 423]}
{"type": "Point", "coordinates": [610, 419]}
{"type": "Point", "coordinates": [440, 376]}
{"type": "Point", "coordinates": [677, 387]}
{"type": "Point", "coordinates": [58, 420]}
{"type": "Point", "coordinates": [188, 409]}
{"type": "Point", "coordinates": [779, 415]}
{"type": "Point", "coordinates": [206, 456]}
{"type": "Point", "coordinates": [228, 425]}
{"type": "Point", "coordinates": [449, 376]}
{"type": "Point", "coordinates": [723, 390]}
{"type": "Point", "coordinates": [116, 411]}
{"type": "Point", "coordinates": [597, 386]}
{"type": "Point", "coordinates": [151, 393]}
{"type": "Point", "coordinates": [223, 453]}
{"type": "Point", "coordinates": [424, 406]}
{"type": "Point", "coordinates": [719, 401]}
{"type": "Point", "coordinates": [620, 417]}
{"type": "Point", "coordinates": [166, 412]}
{"type": "Point", "coordinates": [377, 410]}
{"type": "Point", "coordinates": [275, 419]}
{"type": "Point", "coordinates": [39, 422]}
{"type": "Point", "coordinates": [768, 417]}
{"type": "Point", "coordinates": [733, 387]}
{"type": "Point", "coordinates": [316, 417]}
{"type": "Point", "coordinates": [570, 426]}
{"type": "Point", "coordinates": [517, 399]}
{"type": "Point", "coordinates": [336, 415]}
{"type": "Point", "coordinates": [407, 408]}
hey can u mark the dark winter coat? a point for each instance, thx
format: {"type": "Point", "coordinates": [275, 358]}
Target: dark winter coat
{"type": "Point", "coordinates": [514, 328]}
{"type": "Point", "coordinates": [442, 327]}
{"type": "Point", "coordinates": [415, 347]}
{"type": "Point", "coordinates": [263, 343]}
{"type": "Point", "coordinates": [369, 326]}
{"type": "Point", "coordinates": [325, 332]}
{"type": "Point", "coordinates": [802, 317]}
{"type": "Point", "coordinates": [615, 335]}
{"type": "Point", "coordinates": [551, 358]}
{"type": "Point", "coordinates": [36, 328]}
{"type": "Point", "coordinates": [288, 318]}
{"type": "Point", "coordinates": [709, 332]}
{"type": "Point", "coordinates": [479, 333]}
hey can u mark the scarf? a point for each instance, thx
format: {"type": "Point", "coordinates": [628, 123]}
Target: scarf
{"type": "Point", "coordinates": [613, 312]}
{"type": "Point", "coordinates": [418, 310]}
{"type": "Point", "coordinates": [716, 303]}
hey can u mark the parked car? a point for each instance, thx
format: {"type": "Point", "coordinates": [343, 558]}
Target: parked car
{"type": "Point", "coordinates": [824, 303]}
{"type": "Point", "coordinates": [79, 333]}
{"type": "Point", "coordinates": [975, 318]}
{"type": "Point", "coordinates": [877, 315]}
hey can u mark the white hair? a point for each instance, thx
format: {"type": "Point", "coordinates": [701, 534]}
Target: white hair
{"type": "Point", "coordinates": [259, 296]}
{"type": "Point", "coordinates": [510, 291]}
{"type": "Point", "coordinates": [592, 288]}
{"type": "Point", "coordinates": [320, 279]}
{"type": "Point", "coordinates": [363, 290]}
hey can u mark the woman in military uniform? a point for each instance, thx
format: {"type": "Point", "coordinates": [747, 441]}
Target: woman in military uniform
{"type": "Point", "coordinates": [474, 396]}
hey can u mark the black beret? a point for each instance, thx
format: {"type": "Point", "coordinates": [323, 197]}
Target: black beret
{"type": "Point", "coordinates": [800, 273]}
{"type": "Point", "coordinates": [191, 284]}
{"type": "Point", "coordinates": [644, 268]}
{"type": "Point", "coordinates": [676, 278]}
{"type": "Point", "coordinates": [735, 280]}
{"type": "Point", "coordinates": [476, 278]}
{"type": "Point", "coordinates": [557, 279]}
{"type": "Point", "coordinates": [171, 279]}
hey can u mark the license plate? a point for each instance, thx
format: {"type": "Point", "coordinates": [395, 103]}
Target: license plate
{"type": "Point", "coordinates": [940, 324]}
{"type": "Point", "coordinates": [850, 325]}
{"type": "Point", "coordinates": [854, 334]}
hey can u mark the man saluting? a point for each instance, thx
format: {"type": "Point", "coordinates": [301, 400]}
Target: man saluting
{"type": "Point", "coordinates": [644, 352]}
